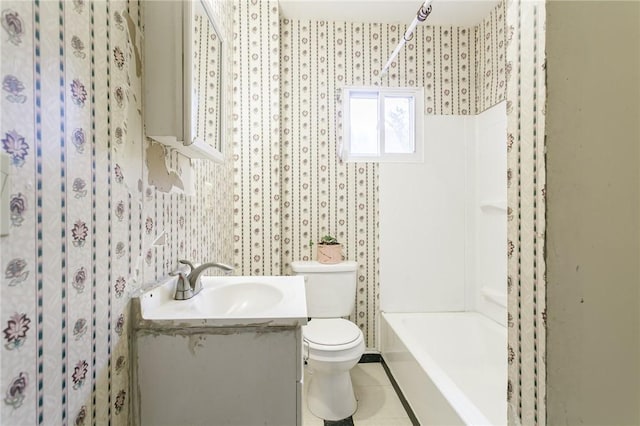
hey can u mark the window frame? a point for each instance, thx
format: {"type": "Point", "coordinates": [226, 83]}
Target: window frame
{"type": "Point", "coordinates": [416, 94]}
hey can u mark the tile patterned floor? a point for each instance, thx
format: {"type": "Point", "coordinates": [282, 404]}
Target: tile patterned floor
{"type": "Point", "coordinates": [378, 403]}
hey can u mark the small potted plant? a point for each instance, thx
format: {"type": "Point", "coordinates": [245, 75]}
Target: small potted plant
{"type": "Point", "coordinates": [329, 250]}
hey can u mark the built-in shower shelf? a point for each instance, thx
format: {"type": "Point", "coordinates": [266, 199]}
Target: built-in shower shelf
{"type": "Point", "coordinates": [494, 296]}
{"type": "Point", "coordinates": [493, 205]}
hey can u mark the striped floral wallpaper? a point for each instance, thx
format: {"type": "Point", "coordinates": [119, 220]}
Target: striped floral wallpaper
{"type": "Point", "coordinates": [526, 211]}
{"type": "Point", "coordinates": [290, 187]}
{"type": "Point", "coordinates": [490, 59]}
{"type": "Point", "coordinates": [256, 139]}
{"type": "Point", "coordinates": [83, 218]}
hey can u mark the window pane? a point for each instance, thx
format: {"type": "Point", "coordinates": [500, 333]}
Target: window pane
{"type": "Point", "coordinates": [363, 125]}
{"type": "Point", "coordinates": [398, 129]}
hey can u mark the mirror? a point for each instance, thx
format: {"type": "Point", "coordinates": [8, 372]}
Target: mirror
{"type": "Point", "coordinates": [203, 77]}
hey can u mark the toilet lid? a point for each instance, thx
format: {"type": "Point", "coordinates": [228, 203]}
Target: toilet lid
{"type": "Point", "coordinates": [330, 331]}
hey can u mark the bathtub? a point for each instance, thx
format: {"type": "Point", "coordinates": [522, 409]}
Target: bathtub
{"type": "Point", "coordinates": [451, 367]}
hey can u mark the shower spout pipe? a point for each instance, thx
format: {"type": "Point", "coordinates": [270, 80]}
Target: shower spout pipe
{"type": "Point", "coordinates": [421, 15]}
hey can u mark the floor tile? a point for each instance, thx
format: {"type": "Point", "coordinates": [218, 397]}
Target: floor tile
{"type": "Point", "coordinates": [378, 403]}
{"type": "Point", "coordinates": [369, 374]}
{"type": "Point", "coordinates": [308, 419]}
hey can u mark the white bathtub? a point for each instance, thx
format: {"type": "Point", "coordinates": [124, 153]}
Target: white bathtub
{"type": "Point", "coordinates": [451, 367]}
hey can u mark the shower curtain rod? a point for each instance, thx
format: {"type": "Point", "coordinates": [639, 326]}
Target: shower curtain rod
{"type": "Point", "coordinates": [421, 15]}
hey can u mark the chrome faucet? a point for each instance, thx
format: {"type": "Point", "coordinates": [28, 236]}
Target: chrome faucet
{"type": "Point", "coordinates": [189, 284]}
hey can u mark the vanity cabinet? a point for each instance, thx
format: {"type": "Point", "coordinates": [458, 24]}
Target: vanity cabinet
{"type": "Point", "coordinates": [225, 376]}
{"type": "Point", "coordinates": [183, 78]}
{"type": "Point", "coordinates": [230, 355]}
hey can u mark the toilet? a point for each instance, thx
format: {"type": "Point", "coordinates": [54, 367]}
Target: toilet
{"type": "Point", "coordinates": [332, 345]}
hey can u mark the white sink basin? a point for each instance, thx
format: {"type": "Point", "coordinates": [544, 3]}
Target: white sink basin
{"type": "Point", "coordinates": [231, 300]}
{"type": "Point", "coordinates": [243, 298]}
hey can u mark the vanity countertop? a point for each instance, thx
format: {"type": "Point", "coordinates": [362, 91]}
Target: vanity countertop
{"type": "Point", "coordinates": [227, 301]}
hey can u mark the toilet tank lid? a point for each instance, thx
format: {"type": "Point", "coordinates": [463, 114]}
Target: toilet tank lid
{"type": "Point", "coordinates": [315, 266]}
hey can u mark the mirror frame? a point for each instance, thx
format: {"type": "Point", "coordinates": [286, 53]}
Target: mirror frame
{"type": "Point", "coordinates": [198, 143]}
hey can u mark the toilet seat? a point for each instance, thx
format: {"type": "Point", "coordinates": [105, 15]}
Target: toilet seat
{"type": "Point", "coordinates": [331, 334]}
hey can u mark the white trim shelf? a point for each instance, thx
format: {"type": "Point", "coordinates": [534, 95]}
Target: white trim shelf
{"type": "Point", "coordinates": [197, 150]}
{"type": "Point", "coordinates": [494, 296]}
{"type": "Point", "coordinates": [495, 205]}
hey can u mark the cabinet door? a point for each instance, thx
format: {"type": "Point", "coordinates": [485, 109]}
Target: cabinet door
{"type": "Point", "coordinates": [236, 378]}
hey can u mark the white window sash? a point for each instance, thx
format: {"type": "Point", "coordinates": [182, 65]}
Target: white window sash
{"type": "Point", "coordinates": [417, 119]}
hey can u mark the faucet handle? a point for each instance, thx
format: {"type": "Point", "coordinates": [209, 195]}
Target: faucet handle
{"type": "Point", "coordinates": [189, 264]}
{"type": "Point", "coordinates": [183, 287]}
{"type": "Point", "coordinates": [194, 275]}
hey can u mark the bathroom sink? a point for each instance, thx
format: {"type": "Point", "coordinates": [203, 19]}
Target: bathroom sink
{"type": "Point", "coordinates": [239, 298]}
{"type": "Point", "coordinates": [230, 301]}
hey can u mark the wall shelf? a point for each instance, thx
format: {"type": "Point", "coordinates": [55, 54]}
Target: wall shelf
{"type": "Point", "coordinates": [494, 296]}
{"type": "Point", "coordinates": [493, 205]}
{"type": "Point", "coordinates": [198, 149]}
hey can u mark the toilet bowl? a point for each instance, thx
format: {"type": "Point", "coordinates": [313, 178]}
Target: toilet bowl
{"type": "Point", "coordinates": [332, 345]}
{"type": "Point", "coordinates": [331, 348]}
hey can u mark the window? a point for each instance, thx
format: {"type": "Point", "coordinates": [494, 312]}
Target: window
{"type": "Point", "coordinates": [382, 124]}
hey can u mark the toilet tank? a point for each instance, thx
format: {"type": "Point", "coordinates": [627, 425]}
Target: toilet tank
{"type": "Point", "coordinates": [330, 288]}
